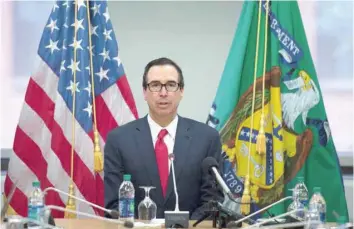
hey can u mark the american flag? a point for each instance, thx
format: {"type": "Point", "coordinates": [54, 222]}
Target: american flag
{"type": "Point", "coordinates": [42, 144]}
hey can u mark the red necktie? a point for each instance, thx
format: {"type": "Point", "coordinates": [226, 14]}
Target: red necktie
{"type": "Point", "coordinates": [162, 159]}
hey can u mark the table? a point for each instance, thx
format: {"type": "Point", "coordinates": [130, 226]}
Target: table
{"type": "Point", "coordinates": [97, 224]}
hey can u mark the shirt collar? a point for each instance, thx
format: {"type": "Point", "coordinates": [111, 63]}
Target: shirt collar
{"type": "Point", "coordinates": [156, 128]}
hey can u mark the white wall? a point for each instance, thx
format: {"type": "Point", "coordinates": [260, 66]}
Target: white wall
{"type": "Point", "coordinates": [196, 35]}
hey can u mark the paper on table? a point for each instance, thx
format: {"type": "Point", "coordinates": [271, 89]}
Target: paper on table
{"type": "Point", "coordinates": [160, 221]}
{"type": "Point", "coordinates": [153, 223]}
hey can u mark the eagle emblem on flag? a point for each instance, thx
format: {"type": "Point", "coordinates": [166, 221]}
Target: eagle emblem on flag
{"type": "Point", "coordinates": [268, 171]}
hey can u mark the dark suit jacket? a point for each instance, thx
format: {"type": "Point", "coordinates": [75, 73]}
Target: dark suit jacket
{"type": "Point", "coordinates": [129, 150]}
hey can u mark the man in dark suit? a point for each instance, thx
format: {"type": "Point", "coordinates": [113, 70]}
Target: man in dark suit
{"type": "Point", "coordinates": [141, 148]}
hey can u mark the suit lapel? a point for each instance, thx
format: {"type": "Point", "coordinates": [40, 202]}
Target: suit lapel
{"type": "Point", "coordinates": [147, 153]}
{"type": "Point", "coordinates": [181, 152]}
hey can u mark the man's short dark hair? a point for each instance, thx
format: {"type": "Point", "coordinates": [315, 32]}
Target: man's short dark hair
{"type": "Point", "coordinates": [159, 62]}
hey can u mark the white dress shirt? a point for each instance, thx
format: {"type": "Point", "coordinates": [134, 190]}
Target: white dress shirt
{"type": "Point", "coordinates": [169, 139]}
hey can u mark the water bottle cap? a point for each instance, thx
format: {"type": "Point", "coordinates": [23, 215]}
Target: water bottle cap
{"type": "Point", "coordinates": [36, 184]}
{"type": "Point", "coordinates": [316, 189]}
{"type": "Point", "coordinates": [127, 177]}
{"type": "Point", "coordinates": [300, 179]}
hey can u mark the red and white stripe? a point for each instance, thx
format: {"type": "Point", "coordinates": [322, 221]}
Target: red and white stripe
{"type": "Point", "coordinates": [42, 145]}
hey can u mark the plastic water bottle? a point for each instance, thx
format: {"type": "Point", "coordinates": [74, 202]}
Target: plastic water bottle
{"type": "Point", "coordinates": [296, 205]}
{"type": "Point", "coordinates": [126, 199]}
{"type": "Point", "coordinates": [302, 192]}
{"type": "Point", "coordinates": [317, 206]}
{"type": "Point", "coordinates": [36, 204]}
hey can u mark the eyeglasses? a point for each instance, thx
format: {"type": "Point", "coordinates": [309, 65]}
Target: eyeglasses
{"type": "Point", "coordinates": [156, 86]}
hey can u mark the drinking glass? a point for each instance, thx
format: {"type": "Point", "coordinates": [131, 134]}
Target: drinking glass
{"type": "Point", "coordinates": [147, 207]}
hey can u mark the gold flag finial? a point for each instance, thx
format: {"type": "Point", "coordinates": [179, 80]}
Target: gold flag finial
{"type": "Point", "coordinates": [261, 138]}
{"type": "Point", "coordinates": [246, 198]}
{"type": "Point", "coordinates": [71, 205]}
{"type": "Point", "coordinates": [97, 152]}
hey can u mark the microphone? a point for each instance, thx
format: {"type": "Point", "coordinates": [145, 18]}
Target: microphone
{"type": "Point", "coordinates": [209, 165]}
{"type": "Point", "coordinates": [113, 213]}
{"type": "Point", "coordinates": [6, 203]}
{"type": "Point", "coordinates": [309, 222]}
{"type": "Point", "coordinates": [127, 224]}
{"type": "Point", "coordinates": [295, 225]}
{"type": "Point", "coordinates": [171, 158]}
{"type": "Point", "coordinates": [232, 224]}
{"type": "Point", "coordinates": [176, 218]}
{"type": "Point", "coordinates": [16, 221]}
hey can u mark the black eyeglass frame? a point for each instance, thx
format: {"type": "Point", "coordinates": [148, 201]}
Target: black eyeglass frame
{"type": "Point", "coordinates": [164, 85]}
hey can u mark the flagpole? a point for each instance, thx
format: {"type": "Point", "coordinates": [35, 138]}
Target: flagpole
{"type": "Point", "coordinates": [71, 205]}
{"type": "Point", "coordinates": [246, 196]}
{"type": "Point", "coordinates": [98, 156]}
{"type": "Point", "coordinates": [261, 139]}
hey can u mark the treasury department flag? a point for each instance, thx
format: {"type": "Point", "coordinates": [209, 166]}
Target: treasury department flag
{"type": "Point", "coordinates": [270, 113]}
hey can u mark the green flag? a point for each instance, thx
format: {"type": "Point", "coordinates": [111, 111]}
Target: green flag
{"type": "Point", "coordinates": [270, 113]}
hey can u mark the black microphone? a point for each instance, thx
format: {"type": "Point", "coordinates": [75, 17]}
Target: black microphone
{"type": "Point", "coordinates": [211, 166]}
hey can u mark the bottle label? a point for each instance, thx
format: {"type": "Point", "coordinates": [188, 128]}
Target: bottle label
{"type": "Point", "coordinates": [34, 212]}
{"type": "Point", "coordinates": [323, 217]}
{"type": "Point", "coordinates": [304, 202]}
{"type": "Point", "coordinates": [126, 207]}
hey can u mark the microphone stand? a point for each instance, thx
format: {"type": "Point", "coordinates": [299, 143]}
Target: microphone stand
{"type": "Point", "coordinates": [213, 210]}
